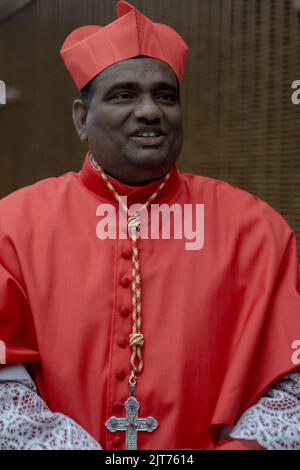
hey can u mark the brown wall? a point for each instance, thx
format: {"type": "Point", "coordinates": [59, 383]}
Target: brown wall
{"type": "Point", "coordinates": [241, 125]}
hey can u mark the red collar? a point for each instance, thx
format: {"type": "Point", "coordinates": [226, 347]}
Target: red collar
{"type": "Point", "coordinates": [135, 194]}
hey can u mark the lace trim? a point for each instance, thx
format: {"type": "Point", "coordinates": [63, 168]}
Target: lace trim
{"type": "Point", "coordinates": [274, 422]}
{"type": "Point", "coordinates": [26, 423]}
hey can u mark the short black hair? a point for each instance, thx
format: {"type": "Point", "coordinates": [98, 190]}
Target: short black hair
{"type": "Point", "coordinates": [87, 93]}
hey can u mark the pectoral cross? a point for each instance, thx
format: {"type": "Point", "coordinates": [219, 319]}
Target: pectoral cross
{"type": "Point", "coordinates": [131, 424]}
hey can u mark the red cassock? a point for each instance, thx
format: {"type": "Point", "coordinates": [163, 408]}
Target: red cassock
{"type": "Point", "coordinates": [219, 323]}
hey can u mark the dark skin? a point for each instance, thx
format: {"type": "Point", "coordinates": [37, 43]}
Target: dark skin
{"type": "Point", "coordinates": [131, 101]}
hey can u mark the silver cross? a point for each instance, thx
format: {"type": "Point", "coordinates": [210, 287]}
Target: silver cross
{"type": "Point", "coordinates": [131, 424]}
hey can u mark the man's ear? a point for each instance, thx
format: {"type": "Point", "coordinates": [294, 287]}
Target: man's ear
{"type": "Point", "coordinates": [79, 113]}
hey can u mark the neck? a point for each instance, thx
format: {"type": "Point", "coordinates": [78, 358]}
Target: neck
{"type": "Point", "coordinates": [135, 184]}
{"type": "Point", "coordinates": [128, 183]}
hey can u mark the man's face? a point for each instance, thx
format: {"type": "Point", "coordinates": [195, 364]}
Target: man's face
{"type": "Point", "coordinates": [133, 123]}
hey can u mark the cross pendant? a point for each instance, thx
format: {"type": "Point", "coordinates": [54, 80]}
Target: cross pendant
{"type": "Point", "coordinates": [131, 424]}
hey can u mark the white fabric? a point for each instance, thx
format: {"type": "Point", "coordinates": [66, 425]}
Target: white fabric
{"type": "Point", "coordinates": [274, 422]}
{"type": "Point", "coordinates": [17, 373]}
{"type": "Point", "coordinates": [26, 423]}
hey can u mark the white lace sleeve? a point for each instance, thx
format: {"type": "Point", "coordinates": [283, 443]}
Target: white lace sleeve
{"type": "Point", "coordinates": [274, 422]}
{"type": "Point", "coordinates": [26, 423]}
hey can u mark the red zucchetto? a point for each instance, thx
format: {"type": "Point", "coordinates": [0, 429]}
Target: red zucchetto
{"type": "Point", "coordinates": [89, 50]}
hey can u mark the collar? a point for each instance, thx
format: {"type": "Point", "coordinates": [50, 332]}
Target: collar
{"type": "Point", "coordinates": [135, 194]}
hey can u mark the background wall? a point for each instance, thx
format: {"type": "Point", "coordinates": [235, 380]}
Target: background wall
{"type": "Point", "coordinates": [241, 125]}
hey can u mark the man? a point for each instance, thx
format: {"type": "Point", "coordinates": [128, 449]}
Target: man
{"type": "Point", "coordinates": [193, 339]}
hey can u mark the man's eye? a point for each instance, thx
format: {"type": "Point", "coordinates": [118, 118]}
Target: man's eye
{"type": "Point", "coordinates": [123, 96]}
{"type": "Point", "coordinates": [168, 98]}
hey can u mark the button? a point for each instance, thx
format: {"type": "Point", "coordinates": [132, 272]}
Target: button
{"type": "Point", "coordinates": [122, 342]}
{"type": "Point", "coordinates": [125, 311]}
{"type": "Point", "coordinates": [118, 407]}
{"type": "Point", "coordinates": [117, 441]}
{"type": "Point", "coordinates": [125, 281]}
{"type": "Point", "coordinates": [120, 375]}
{"type": "Point", "coordinates": [127, 254]}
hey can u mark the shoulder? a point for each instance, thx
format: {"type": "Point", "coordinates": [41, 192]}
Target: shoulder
{"type": "Point", "coordinates": [35, 205]}
{"type": "Point", "coordinates": [236, 207]}
{"type": "Point", "coordinates": [38, 195]}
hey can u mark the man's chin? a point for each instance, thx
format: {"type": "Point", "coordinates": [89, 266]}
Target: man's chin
{"type": "Point", "coordinates": [149, 159]}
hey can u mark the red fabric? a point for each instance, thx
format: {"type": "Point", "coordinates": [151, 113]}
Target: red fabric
{"type": "Point", "coordinates": [218, 323]}
{"type": "Point", "coordinates": [89, 50]}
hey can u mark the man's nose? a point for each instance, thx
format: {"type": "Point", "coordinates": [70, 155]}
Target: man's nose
{"type": "Point", "coordinates": [147, 108]}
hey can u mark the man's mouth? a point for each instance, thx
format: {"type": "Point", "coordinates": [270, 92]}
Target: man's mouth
{"type": "Point", "coordinates": [148, 137]}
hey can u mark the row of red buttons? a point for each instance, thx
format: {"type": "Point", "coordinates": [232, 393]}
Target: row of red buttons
{"type": "Point", "coordinates": [122, 342]}
{"type": "Point", "coordinates": [125, 281]}
{"type": "Point", "coordinates": [127, 253]}
{"type": "Point", "coordinates": [118, 408]}
{"type": "Point", "coordinates": [125, 312]}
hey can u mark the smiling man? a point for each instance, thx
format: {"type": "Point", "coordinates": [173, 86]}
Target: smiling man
{"type": "Point", "coordinates": [139, 343]}
{"type": "Point", "coordinates": [132, 120]}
